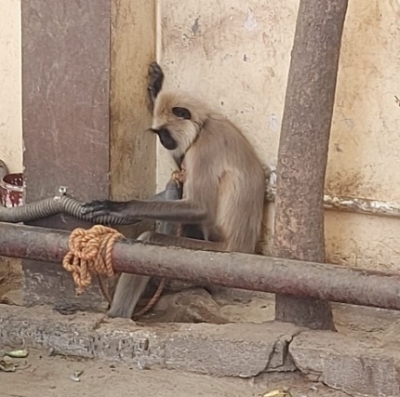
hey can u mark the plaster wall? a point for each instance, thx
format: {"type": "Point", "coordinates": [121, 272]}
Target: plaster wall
{"type": "Point", "coordinates": [235, 55]}
{"type": "Point", "coordinates": [10, 84]}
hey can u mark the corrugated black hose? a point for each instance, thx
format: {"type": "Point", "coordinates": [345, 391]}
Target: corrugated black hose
{"type": "Point", "coordinates": [67, 205]}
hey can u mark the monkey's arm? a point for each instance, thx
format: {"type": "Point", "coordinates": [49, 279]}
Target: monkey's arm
{"type": "Point", "coordinates": [181, 211]}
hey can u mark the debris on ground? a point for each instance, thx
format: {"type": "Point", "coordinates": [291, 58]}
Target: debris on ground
{"type": "Point", "coordinates": [50, 376]}
{"type": "Point", "coordinates": [21, 353]}
{"type": "Point", "coordinates": [278, 393]}
{"type": "Point", "coordinates": [76, 376]}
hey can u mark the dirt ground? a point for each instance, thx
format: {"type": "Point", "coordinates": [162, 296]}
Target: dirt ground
{"type": "Point", "coordinates": [42, 375]}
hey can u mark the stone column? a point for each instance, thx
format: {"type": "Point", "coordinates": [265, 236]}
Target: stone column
{"type": "Point", "coordinates": [85, 115]}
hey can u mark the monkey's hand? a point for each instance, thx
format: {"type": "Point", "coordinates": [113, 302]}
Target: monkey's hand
{"type": "Point", "coordinates": [155, 79]}
{"type": "Point", "coordinates": [98, 208]}
{"type": "Point", "coordinates": [179, 177]}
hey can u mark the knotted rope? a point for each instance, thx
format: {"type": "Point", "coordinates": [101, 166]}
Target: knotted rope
{"type": "Point", "coordinates": [90, 251]}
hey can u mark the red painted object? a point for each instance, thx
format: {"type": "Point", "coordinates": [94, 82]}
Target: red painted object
{"type": "Point", "coordinates": [12, 190]}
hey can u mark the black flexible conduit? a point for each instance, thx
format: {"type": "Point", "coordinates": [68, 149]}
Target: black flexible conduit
{"type": "Point", "coordinates": [67, 205]}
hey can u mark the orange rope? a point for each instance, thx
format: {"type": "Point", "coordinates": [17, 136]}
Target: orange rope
{"type": "Point", "coordinates": [90, 251]}
{"type": "Point", "coordinates": [152, 301]}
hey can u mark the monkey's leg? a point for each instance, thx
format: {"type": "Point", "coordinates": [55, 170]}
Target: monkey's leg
{"type": "Point", "coordinates": [130, 288]}
{"type": "Point", "coordinates": [183, 242]}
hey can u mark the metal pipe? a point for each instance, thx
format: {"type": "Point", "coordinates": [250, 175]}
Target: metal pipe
{"type": "Point", "coordinates": [252, 272]}
{"type": "Point", "coordinates": [361, 206]}
{"type": "Point", "coordinates": [356, 205]}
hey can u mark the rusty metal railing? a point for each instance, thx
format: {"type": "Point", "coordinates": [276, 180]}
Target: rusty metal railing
{"type": "Point", "coordinates": [251, 272]}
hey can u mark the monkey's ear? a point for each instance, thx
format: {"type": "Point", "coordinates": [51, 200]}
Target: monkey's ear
{"type": "Point", "coordinates": [182, 113]}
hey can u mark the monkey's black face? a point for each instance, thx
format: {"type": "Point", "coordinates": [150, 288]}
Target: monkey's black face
{"type": "Point", "coordinates": [166, 138]}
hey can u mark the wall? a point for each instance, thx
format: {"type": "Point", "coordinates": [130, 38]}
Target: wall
{"type": "Point", "coordinates": [132, 157]}
{"type": "Point", "coordinates": [132, 147]}
{"type": "Point", "coordinates": [235, 55]}
{"type": "Point", "coordinates": [10, 107]}
{"type": "Point", "coordinates": [10, 84]}
{"type": "Point", "coordinates": [365, 145]}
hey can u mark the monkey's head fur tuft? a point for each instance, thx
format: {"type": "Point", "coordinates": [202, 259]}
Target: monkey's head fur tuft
{"type": "Point", "coordinates": [178, 120]}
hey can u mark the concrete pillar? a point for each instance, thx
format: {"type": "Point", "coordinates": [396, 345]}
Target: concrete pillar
{"type": "Point", "coordinates": [85, 115]}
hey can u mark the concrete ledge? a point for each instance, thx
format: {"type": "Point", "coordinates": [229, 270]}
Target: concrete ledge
{"type": "Point", "coordinates": [340, 361]}
{"type": "Point", "coordinates": [243, 350]}
{"type": "Point", "coordinates": [348, 364]}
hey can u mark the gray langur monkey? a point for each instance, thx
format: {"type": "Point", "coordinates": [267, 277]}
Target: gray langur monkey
{"type": "Point", "coordinates": [223, 186]}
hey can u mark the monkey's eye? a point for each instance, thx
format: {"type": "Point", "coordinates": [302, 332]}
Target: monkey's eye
{"type": "Point", "coordinates": [182, 113]}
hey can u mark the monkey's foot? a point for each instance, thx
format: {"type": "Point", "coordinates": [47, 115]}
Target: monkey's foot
{"type": "Point", "coordinates": [193, 305]}
{"type": "Point", "coordinates": [155, 79]}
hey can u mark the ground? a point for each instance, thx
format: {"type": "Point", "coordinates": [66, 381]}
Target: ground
{"type": "Point", "coordinates": [49, 376]}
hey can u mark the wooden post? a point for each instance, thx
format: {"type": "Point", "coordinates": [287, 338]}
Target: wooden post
{"type": "Point", "coordinates": [84, 66]}
{"type": "Point", "coordinates": [303, 150]}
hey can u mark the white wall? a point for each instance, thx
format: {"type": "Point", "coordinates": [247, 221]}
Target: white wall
{"type": "Point", "coordinates": [235, 55]}
{"type": "Point", "coordinates": [10, 84]}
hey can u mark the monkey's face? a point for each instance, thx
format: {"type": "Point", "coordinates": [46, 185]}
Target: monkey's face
{"type": "Point", "coordinates": [176, 122]}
